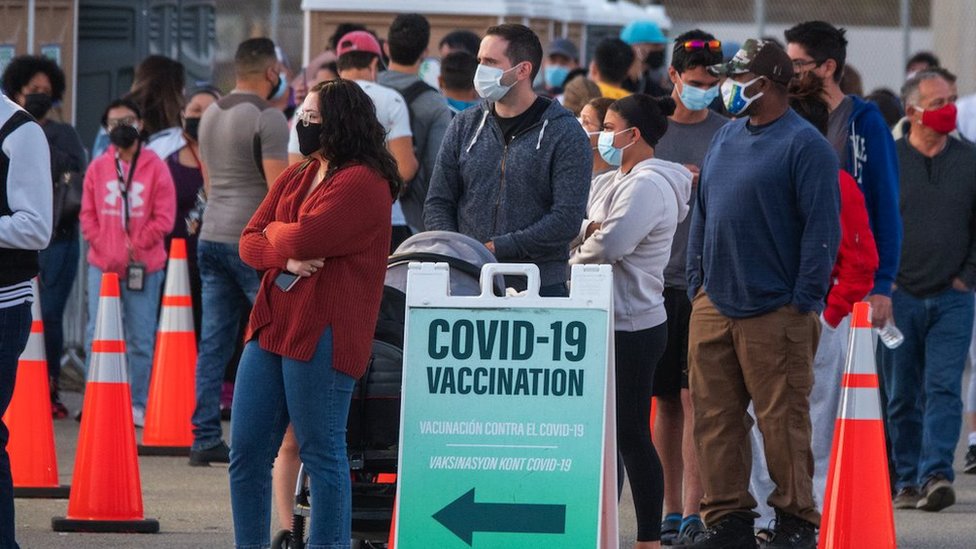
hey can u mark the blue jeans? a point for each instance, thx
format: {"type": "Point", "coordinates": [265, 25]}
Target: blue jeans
{"type": "Point", "coordinates": [229, 288]}
{"type": "Point", "coordinates": [923, 381]}
{"type": "Point", "coordinates": [15, 325]}
{"type": "Point", "coordinates": [139, 313]}
{"type": "Point", "coordinates": [59, 267]}
{"type": "Point", "coordinates": [272, 390]}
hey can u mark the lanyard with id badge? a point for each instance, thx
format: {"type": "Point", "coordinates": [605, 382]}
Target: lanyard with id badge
{"type": "Point", "coordinates": [135, 271]}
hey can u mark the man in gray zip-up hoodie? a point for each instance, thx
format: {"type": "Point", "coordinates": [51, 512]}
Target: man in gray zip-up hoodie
{"type": "Point", "coordinates": [513, 172]}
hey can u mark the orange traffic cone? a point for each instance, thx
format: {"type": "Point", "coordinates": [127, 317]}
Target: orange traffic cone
{"type": "Point", "coordinates": [857, 506]}
{"type": "Point", "coordinates": [107, 492]}
{"type": "Point", "coordinates": [168, 430]}
{"type": "Point", "coordinates": [33, 462]}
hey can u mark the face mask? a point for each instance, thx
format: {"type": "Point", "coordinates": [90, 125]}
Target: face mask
{"type": "Point", "coordinates": [941, 120]}
{"type": "Point", "coordinates": [192, 127]}
{"type": "Point", "coordinates": [733, 95]}
{"type": "Point", "coordinates": [459, 105]}
{"type": "Point", "coordinates": [655, 59]}
{"type": "Point", "coordinates": [488, 82]}
{"type": "Point", "coordinates": [309, 137]}
{"type": "Point", "coordinates": [123, 136]}
{"type": "Point", "coordinates": [556, 75]}
{"type": "Point", "coordinates": [37, 104]}
{"type": "Point", "coordinates": [279, 89]}
{"type": "Point", "coordinates": [697, 99]}
{"type": "Point", "coordinates": [612, 155]}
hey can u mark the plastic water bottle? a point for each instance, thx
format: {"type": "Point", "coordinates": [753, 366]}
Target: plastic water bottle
{"type": "Point", "coordinates": [891, 336]}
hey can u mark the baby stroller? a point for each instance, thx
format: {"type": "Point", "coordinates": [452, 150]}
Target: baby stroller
{"type": "Point", "coordinates": [373, 429]}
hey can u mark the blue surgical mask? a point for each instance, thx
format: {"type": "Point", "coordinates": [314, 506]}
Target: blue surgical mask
{"type": "Point", "coordinates": [488, 82]}
{"type": "Point", "coordinates": [279, 90]}
{"type": "Point", "coordinates": [733, 95]}
{"type": "Point", "coordinates": [459, 105]}
{"type": "Point", "coordinates": [612, 155]}
{"type": "Point", "coordinates": [697, 99]}
{"type": "Point", "coordinates": [556, 75]}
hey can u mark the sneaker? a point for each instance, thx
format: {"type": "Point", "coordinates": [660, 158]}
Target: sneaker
{"type": "Point", "coordinates": [906, 498]}
{"type": "Point", "coordinates": [58, 410]}
{"type": "Point", "coordinates": [970, 467]}
{"type": "Point", "coordinates": [937, 494]}
{"type": "Point", "coordinates": [669, 528]}
{"type": "Point", "coordinates": [218, 454]}
{"type": "Point", "coordinates": [692, 529]}
{"type": "Point", "coordinates": [792, 532]}
{"type": "Point", "coordinates": [730, 532]}
{"type": "Point", "coordinates": [138, 417]}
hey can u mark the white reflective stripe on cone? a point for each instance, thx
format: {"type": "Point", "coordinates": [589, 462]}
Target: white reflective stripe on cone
{"type": "Point", "coordinates": [860, 403]}
{"type": "Point", "coordinates": [107, 368]}
{"type": "Point", "coordinates": [36, 304]}
{"type": "Point", "coordinates": [177, 278]}
{"type": "Point", "coordinates": [35, 347]}
{"type": "Point", "coordinates": [861, 358]}
{"type": "Point", "coordinates": [108, 322]}
{"type": "Point", "coordinates": [176, 319]}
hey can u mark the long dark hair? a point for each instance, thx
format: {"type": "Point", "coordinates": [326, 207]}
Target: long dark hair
{"type": "Point", "coordinates": [158, 90]}
{"type": "Point", "coordinates": [351, 133]}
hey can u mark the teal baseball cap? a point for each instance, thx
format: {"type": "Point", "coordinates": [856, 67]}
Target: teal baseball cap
{"type": "Point", "coordinates": [643, 32]}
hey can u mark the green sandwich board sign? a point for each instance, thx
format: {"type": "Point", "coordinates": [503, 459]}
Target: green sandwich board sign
{"type": "Point", "coordinates": [504, 439]}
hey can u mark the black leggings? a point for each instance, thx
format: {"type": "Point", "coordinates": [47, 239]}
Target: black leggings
{"type": "Point", "coordinates": [637, 355]}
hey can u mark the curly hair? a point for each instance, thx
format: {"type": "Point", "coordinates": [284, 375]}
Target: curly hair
{"type": "Point", "coordinates": [351, 133]}
{"type": "Point", "coordinates": [24, 67]}
{"type": "Point", "coordinates": [158, 90]}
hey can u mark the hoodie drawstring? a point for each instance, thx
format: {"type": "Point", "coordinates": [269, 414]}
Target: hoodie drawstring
{"type": "Point", "coordinates": [478, 131]}
{"type": "Point", "coordinates": [542, 132]}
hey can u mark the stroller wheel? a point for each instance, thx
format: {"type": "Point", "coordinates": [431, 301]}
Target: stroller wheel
{"type": "Point", "coordinates": [282, 540]}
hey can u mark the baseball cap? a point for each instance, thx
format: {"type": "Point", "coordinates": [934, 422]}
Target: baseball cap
{"type": "Point", "coordinates": [642, 32]}
{"type": "Point", "coordinates": [359, 41]}
{"type": "Point", "coordinates": [564, 47]}
{"type": "Point", "coordinates": [760, 57]}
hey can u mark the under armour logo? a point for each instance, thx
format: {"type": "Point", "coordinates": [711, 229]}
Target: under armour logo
{"type": "Point", "coordinates": [115, 194]}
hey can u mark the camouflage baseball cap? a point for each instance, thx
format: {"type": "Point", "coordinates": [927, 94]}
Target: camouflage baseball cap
{"type": "Point", "coordinates": [760, 57]}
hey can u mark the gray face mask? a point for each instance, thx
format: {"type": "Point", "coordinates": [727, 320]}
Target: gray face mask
{"type": "Point", "coordinates": [488, 82]}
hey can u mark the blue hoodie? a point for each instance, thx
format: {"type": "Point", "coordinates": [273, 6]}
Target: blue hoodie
{"type": "Point", "coordinates": [873, 161]}
{"type": "Point", "coordinates": [528, 197]}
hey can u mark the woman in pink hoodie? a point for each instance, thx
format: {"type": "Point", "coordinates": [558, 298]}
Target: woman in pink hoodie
{"type": "Point", "coordinates": [128, 206]}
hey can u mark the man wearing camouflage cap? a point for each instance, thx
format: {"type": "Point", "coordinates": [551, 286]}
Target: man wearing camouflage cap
{"type": "Point", "coordinates": [763, 240]}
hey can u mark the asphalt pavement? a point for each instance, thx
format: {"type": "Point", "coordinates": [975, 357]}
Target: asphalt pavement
{"type": "Point", "coordinates": [192, 505]}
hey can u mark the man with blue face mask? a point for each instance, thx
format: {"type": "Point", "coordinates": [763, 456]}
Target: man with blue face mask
{"type": "Point", "coordinates": [563, 58]}
{"type": "Point", "coordinates": [513, 171]}
{"type": "Point", "coordinates": [690, 130]}
{"type": "Point", "coordinates": [763, 240]}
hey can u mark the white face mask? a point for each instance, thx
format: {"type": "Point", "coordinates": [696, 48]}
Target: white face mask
{"type": "Point", "coordinates": [488, 82]}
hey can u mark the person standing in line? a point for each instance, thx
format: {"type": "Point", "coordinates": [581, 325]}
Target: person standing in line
{"type": "Point", "coordinates": [609, 67]}
{"type": "Point", "coordinates": [457, 81]}
{"type": "Point", "coordinates": [25, 228]}
{"type": "Point", "coordinates": [515, 171]}
{"type": "Point", "coordinates": [406, 44]}
{"type": "Point", "coordinates": [321, 239]}
{"type": "Point", "coordinates": [187, 171]}
{"type": "Point", "coordinates": [933, 300]}
{"type": "Point", "coordinates": [591, 118]}
{"type": "Point", "coordinates": [690, 131]}
{"type": "Point", "coordinates": [244, 145]}
{"type": "Point", "coordinates": [36, 84]}
{"type": "Point", "coordinates": [629, 224]}
{"type": "Point", "coordinates": [647, 73]}
{"type": "Point", "coordinates": [762, 244]}
{"type": "Point", "coordinates": [562, 59]}
{"type": "Point", "coordinates": [127, 209]}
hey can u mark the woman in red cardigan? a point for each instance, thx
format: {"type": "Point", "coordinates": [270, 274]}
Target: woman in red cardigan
{"type": "Point", "coordinates": [321, 237]}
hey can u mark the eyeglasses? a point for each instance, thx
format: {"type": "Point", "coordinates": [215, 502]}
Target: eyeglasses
{"type": "Point", "coordinates": [798, 64]}
{"type": "Point", "coordinates": [309, 117]}
{"type": "Point", "coordinates": [693, 45]}
{"type": "Point", "coordinates": [113, 123]}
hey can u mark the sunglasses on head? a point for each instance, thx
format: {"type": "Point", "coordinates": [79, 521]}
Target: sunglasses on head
{"type": "Point", "coordinates": [693, 45]}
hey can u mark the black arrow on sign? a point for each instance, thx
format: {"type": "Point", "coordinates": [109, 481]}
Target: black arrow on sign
{"type": "Point", "coordinates": [463, 517]}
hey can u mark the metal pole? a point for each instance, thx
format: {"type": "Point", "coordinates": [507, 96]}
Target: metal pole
{"type": "Point", "coordinates": [31, 24]}
{"type": "Point", "coordinates": [906, 30]}
{"type": "Point", "coordinates": [273, 21]}
{"type": "Point", "coordinates": [760, 16]}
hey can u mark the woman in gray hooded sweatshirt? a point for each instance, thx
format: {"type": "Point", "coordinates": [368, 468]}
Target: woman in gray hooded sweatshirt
{"type": "Point", "coordinates": [630, 222]}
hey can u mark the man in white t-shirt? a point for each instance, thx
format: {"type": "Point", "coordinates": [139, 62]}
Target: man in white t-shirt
{"type": "Point", "coordinates": [359, 59]}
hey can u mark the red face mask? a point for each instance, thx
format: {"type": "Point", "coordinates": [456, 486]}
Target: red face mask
{"type": "Point", "coordinates": [941, 120]}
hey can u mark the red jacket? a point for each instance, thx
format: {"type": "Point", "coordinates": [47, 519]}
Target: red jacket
{"type": "Point", "coordinates": [346, 220]}
{"type": "Point", "coordinates": [857, 258]}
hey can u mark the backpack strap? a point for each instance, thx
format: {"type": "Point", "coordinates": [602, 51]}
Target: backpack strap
{"type": "Point", "coordinates": [415, 90]}
{"type": "Point", "coordinates": [16, 120]}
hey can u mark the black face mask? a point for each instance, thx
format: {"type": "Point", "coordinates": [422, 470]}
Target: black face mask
{"type": "Point", "coordinates": [309, 137]}
{"type": "Point", "coordinates": [37, 104]}
{"type": "Point", "coordinates": [655, 59]}
{"type": "Point", "coordinates": [192, 127]}
{"type": "Point", "coordinates": [123, 136]}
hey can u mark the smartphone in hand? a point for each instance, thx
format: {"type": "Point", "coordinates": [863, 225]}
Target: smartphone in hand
{"type": "Point", "coordinates": [286, 280]}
